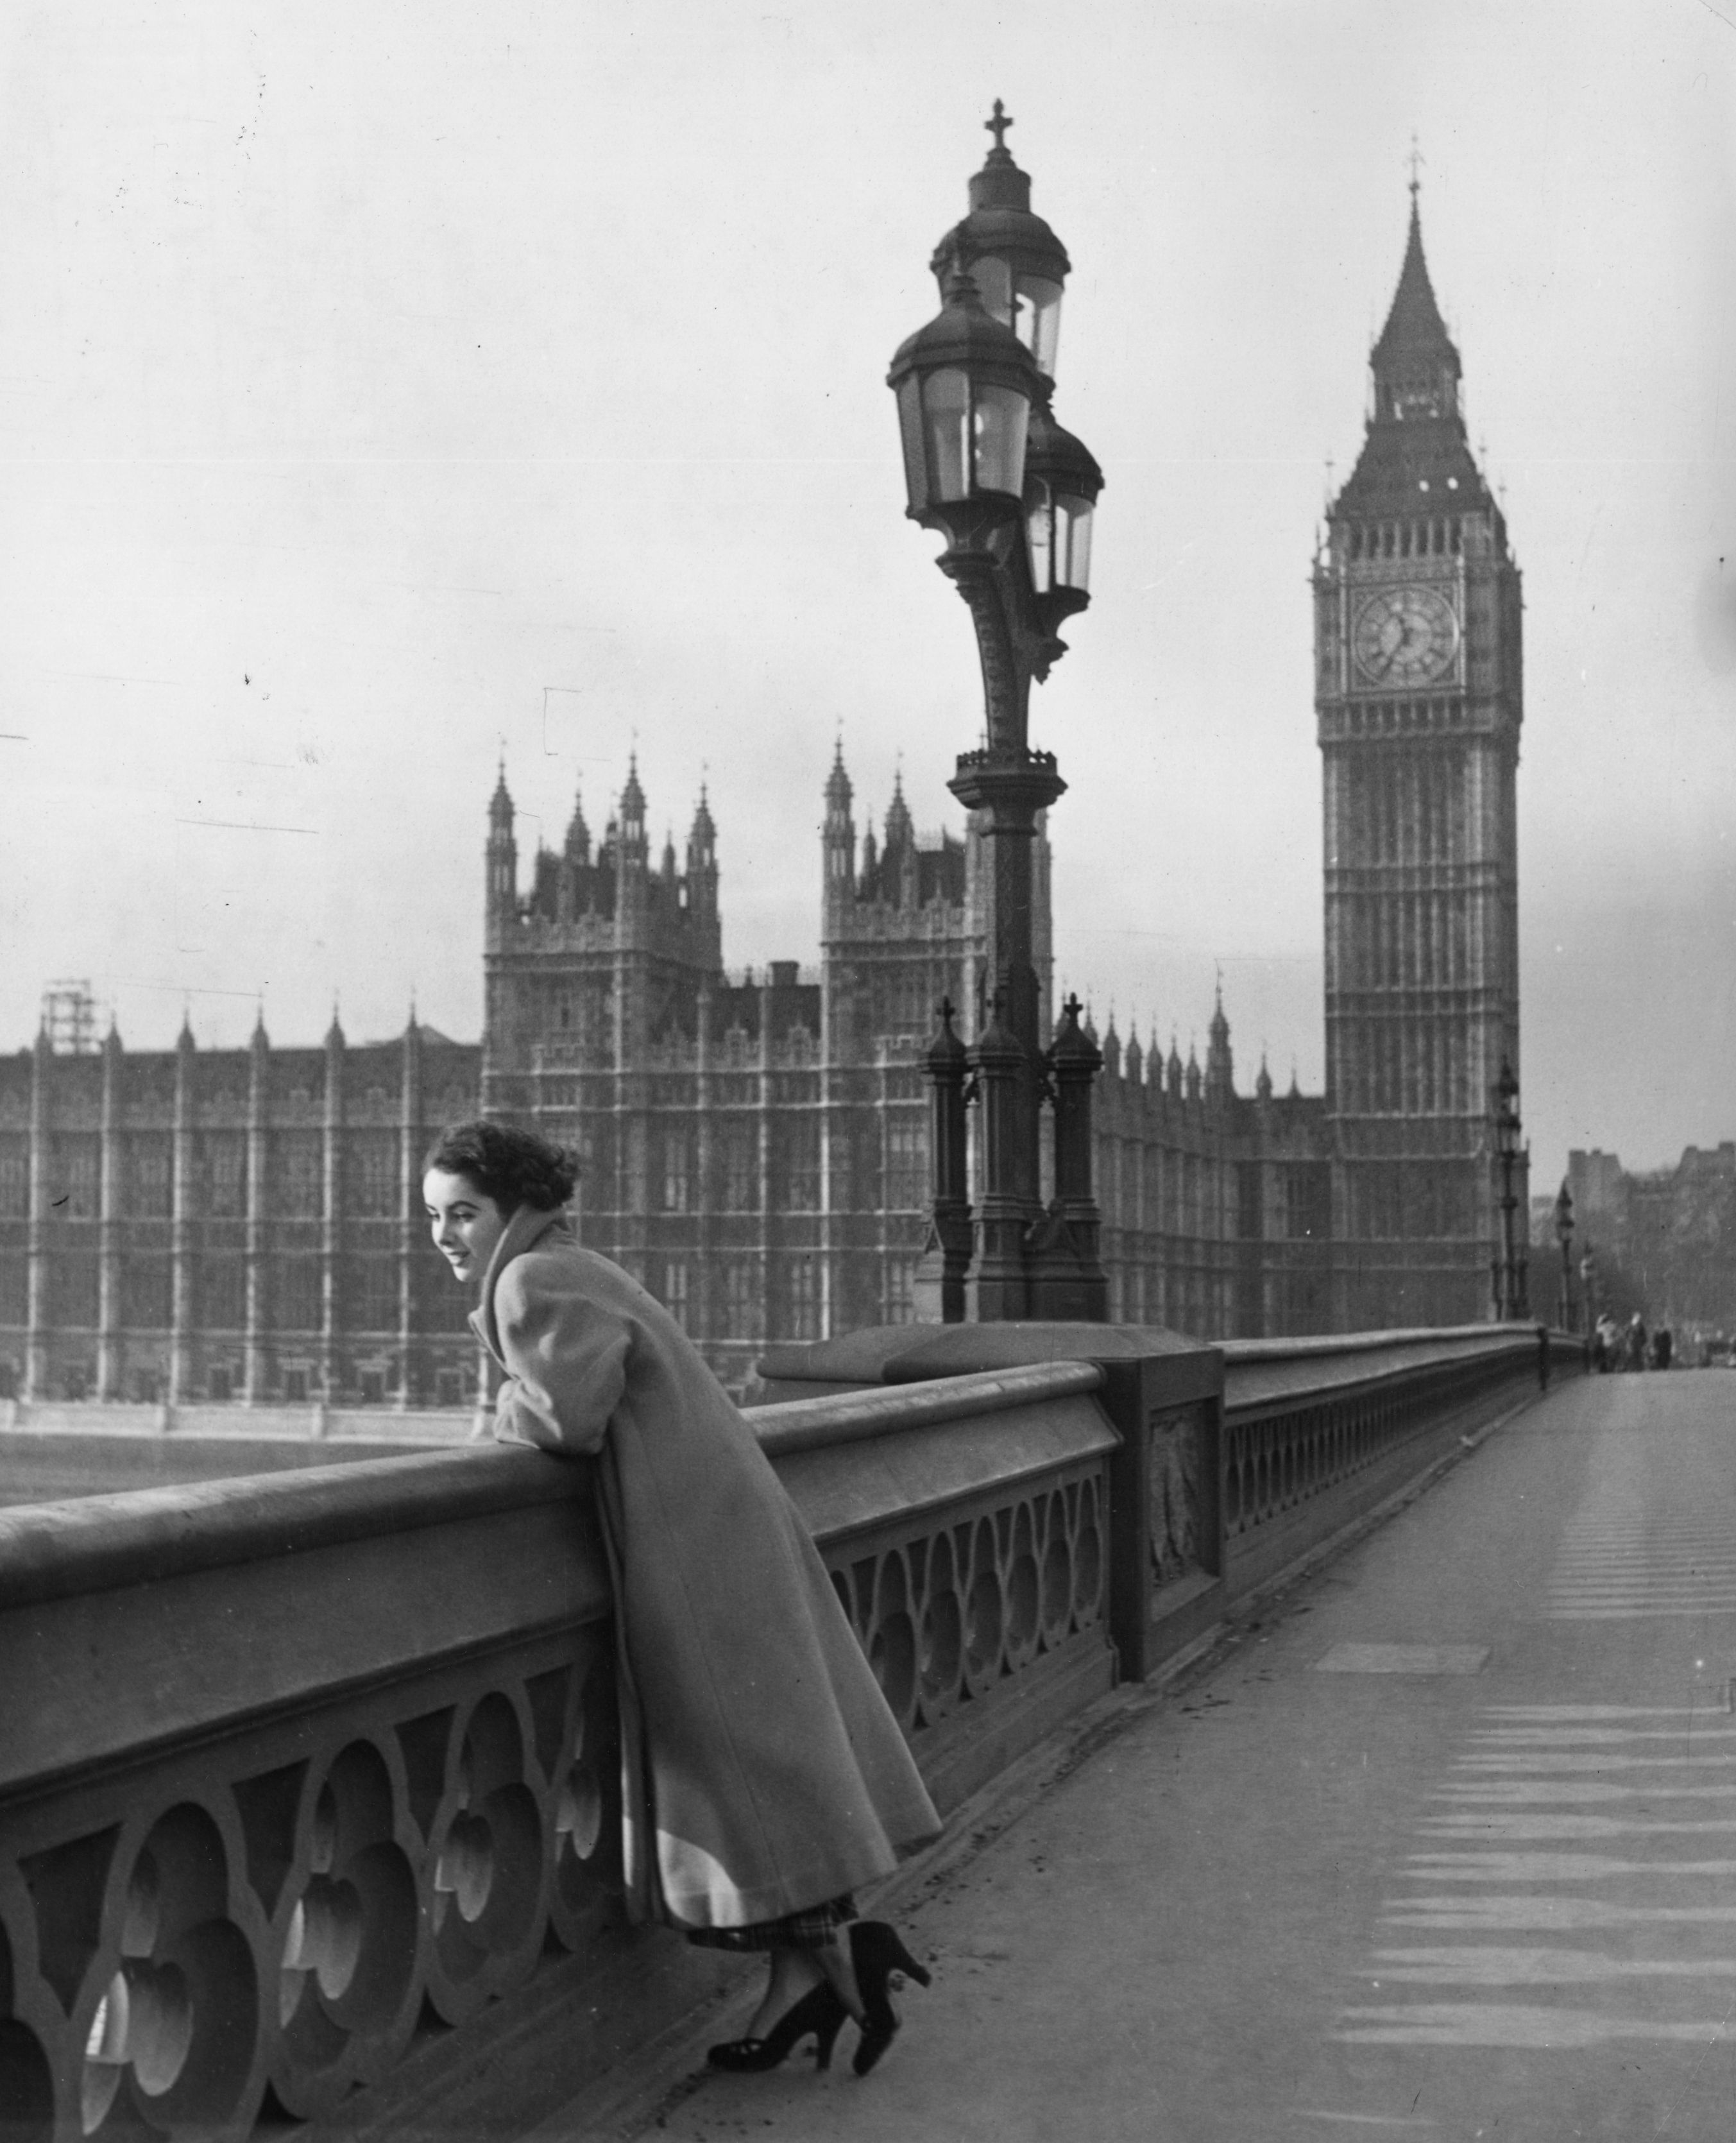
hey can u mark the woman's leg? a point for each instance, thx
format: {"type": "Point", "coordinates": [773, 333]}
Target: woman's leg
{"type": "Point", "coordinates": [792, 1973]}
{"type": "Point", "coordinates": [834, 1960]}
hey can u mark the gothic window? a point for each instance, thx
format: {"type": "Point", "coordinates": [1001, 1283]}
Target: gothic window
{"type": "Point", "coordinates": [145, 1294]}
{"type": "Point", "coordinates": [374, 1187]}
{"type": "Point", "coordinates": [676, 1173]}
{"type": "Point", "coordinates": [298, 1161]}
{"type": "Point", "coordinates": [739, 1144]}
{"type": "Point", "coordinates": [223, 1159]}
{"type": "Point", "coordinates": [374, 1295]}
{"type": "Point", "coordinates": [72, 1290]}
{"type": "Point", "coordinates": [801, 1159]}
{"type": "Point", "coordinates": [72, 1164]}
{"type": "Point", "coordinates": [907, 1164]}
{"type": "Point", "coordinates": [802, 1296]}
{"type": "Point", "coordinates": [223, 1293]}
{"type": "Point", "coordinates": [741, 1302]}
{"type": "Point", "coordinates": [596, 1163]}
{"type": "Point", "coordinates": [900, 1290]}
{"type": "Point", "coordinates": [145, 1176]}
{"type": "Point", "coordinates": [294, 1293]}
{"type": "Point", "coordinates": [674, 1291]}
{"type": "Point", "coordinates": [14, 1178]}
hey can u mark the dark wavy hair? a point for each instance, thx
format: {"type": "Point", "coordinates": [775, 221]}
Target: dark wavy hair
{"type": "Point", "coordinates": [512, 1167]}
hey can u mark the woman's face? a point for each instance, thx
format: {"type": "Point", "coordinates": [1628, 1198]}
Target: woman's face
{"type": "Point", "coordinates": [466, 1224]}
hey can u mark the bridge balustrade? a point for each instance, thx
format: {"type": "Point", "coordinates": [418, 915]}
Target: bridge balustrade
{"type": "Point", "coordinates": [1322, 1427]}
{"type": "Point", "coordinates": [309, 1781]}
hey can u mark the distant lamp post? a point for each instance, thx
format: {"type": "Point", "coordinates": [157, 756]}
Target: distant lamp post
{"type": "Point", "coordinates": [987, 466]}
{"type": "Point", "coordinates": [1510, 1272]}
{"type": "Point", "coordinates": [1588, 1286]}
{"type": "Point", "coordinates": [1564, 1236]}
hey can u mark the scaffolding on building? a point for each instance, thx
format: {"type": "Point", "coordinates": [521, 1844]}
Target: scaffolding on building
{"type": "Point", "coordinates": [69, 1017]}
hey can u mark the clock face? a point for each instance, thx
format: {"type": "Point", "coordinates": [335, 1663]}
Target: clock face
{"type": "Point", "coordinates": [1405, 636]}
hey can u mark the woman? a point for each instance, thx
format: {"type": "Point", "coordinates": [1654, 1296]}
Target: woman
{"type": "Point", "coordinates": [763, 1776]}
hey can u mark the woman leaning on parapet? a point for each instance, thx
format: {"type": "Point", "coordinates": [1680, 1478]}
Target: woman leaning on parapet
{"type": "Point", "coordinates": [763, 1777]}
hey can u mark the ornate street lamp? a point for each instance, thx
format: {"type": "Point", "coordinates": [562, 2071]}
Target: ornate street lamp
{"type": "Point", "coordinates": [1509, 1277]}
{"type": "Point", "coordinates": [1564, 1236]}
{"type": "Point", "coordinates": [986, 465]}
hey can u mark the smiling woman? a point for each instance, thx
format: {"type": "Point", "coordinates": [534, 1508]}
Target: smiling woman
{"type": "Point", "coordinates": [763, 1777]}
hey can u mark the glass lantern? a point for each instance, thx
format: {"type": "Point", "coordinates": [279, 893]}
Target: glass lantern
{"type": "Point", "coordinates": [1058, 528]}
{"type": "Point", "coordinates": [1029, 305]}
{"type": "Point", "coordinates": [1061, 483]}
{"type": "Point", "coordinates": [965, 387]}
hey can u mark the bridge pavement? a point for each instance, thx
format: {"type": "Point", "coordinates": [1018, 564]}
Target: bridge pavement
{"type": "Point", "coordinates": [1444, 1846]}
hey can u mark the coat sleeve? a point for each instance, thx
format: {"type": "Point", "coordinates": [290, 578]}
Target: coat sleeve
{"type": "Point", "coordinates": [567, 1361]}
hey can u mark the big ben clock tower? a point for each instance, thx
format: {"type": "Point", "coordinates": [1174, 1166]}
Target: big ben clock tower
{"type": "Point", "coordinates": [1417, 693]}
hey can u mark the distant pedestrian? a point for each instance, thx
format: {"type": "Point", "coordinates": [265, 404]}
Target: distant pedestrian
{"type": "Point", "coordinates": [1663, 1347]}
{"type": "Point", "coordinates": [1636, 1341]}
{"type": "Point", "coordinates": [1606, 1345]}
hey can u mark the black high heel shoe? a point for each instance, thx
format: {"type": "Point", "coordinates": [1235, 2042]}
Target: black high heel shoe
{"type": "Point", "coordinates": [877, 1951]}
{"type": "Point", "coordinates": [821, 2011]}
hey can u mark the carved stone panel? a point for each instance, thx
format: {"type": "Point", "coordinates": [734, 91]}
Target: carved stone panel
{"type": "Point", "coordinates": [1177, 1494]}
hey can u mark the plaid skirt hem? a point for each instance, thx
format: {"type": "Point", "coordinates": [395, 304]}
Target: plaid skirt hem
{"type": "Point", "coordinates": [810, 1929]}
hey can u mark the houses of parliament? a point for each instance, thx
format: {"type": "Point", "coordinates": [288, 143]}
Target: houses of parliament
{"type": "Point", "coordinates": [246, 1226]}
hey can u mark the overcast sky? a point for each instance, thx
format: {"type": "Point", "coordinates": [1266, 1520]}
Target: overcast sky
{"type": "Point", "coordinates": [380, 383]}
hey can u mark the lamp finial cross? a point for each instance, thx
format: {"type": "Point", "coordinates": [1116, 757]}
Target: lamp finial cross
{"type": "Point", "coordinates": [998, 125]}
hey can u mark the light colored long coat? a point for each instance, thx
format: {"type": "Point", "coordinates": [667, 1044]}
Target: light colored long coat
{"type": "Point", "coordinates": [759, 1756]}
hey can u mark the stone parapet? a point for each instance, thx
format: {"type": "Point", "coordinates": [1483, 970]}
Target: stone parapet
{"type": "Point", "coordinates": [309, 1788]}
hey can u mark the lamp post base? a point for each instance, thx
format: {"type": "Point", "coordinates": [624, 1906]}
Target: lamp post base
{"type": "Point", "coordinates": [1067, 1283]}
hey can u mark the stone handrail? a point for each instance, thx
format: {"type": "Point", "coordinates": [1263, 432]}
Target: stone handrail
{"type": "Point", "coordinates": [309, 1781]}
{"type": "Point", "coordinates": [302, 1773]}
{"type": "Point", "coordinates": [1317, 1431]}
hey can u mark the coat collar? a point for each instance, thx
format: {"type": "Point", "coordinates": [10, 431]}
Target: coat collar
{"type": "Point", "coordinates": [526, 1228]}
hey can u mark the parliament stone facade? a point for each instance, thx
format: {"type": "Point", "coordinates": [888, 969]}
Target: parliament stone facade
{"type": "Point", "coordinates": [246, 1225]}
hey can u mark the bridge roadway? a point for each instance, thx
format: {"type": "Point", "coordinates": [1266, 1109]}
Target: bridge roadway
{"type": "Point", "coordinates": [1443, 1846]}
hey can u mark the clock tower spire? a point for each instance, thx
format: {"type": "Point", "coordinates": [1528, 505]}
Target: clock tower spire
{"type": "Point", "coordinates": [1418, 688]}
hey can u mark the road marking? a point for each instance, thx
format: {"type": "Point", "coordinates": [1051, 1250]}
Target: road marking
{"type": "Point", "coordinates": [1542, 1915]}
{"type": "Point", "coordinates": [1616, 1567]}
{"type": "Point", "coordinates": [1489, 1867]}
{"type": "Point", "coordinates": [1586, 1711]}
{"type": "Point", "coordinates": [1506, 1879]}
{"type": "Point", "coordinates": [1510, 1792]}
{"type": "Point", "coordinates": [1403, 1659]}
{"type": "Point", "coordinates": [1516, 2025]}
{"type": "Point", "coordinates": [1536, 1964]}
{"type": "Point", "coordinates": [1510, 1737]}
{"type": "Point", "coordinates": [1587, 1759]}
{"type": "Point", "coordinates": [1366, 2120]}
{"type": "Point", "coordinates": [1489, 1823]}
